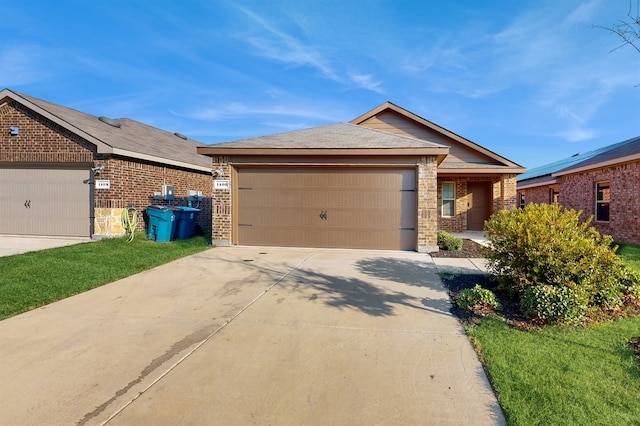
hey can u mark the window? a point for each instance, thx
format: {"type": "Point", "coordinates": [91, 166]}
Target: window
{"type": "Point", "coordinates": [448, 199]}
{"type": "Point", "coordinates": [554, 194]}
{"type": "Point", "coordinates": [603, 197]}
{"type": "Point", "coordinates": [521, 201]}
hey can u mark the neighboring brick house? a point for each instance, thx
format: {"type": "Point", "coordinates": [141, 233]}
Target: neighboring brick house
{"type": "Point", "coordinates": [604, 183]}
{"type": "Point", "coordinates": [387, 180]}
{"type": "Point", "coordinates": [67, 173]}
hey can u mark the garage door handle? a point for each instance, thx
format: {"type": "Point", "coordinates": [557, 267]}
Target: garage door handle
{"type": "Point", "coordinates": [323, 215]}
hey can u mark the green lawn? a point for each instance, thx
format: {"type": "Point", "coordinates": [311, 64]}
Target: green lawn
{"type": "Point", "coordinates": [561, 375]}
{"type": "Point", "coordinates": [631, 255]}
{"type": "Point", "coordinates": [35, 279]}
{"type": "Point", "coordinates": [564, 375]}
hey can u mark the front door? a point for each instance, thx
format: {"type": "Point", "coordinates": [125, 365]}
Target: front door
{"type": "Point", "coordinates": [479, 204]}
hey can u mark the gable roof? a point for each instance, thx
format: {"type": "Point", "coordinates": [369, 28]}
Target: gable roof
{"type": "Point", "coordinates": [333, 139]}
{"type": "Point", "coordinates": [501, 162]}
{"type": "Point", "coordinates": [627, 150]}
{"type": "Point", "coordinates": [127, 138]}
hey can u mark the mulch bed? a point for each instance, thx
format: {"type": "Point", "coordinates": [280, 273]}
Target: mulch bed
{"type": "Point", "coordinates": [470, 249]}
{"type": "Point", "coordinates": [510, 312]}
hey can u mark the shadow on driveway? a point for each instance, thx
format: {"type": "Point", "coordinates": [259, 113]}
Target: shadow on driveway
{"type": "Point", "coordinates": [379, 285]}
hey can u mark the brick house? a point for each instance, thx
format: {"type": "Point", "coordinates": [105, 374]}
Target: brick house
{"type": "Point", "coordinates": [67, 173]}
{"type": "Point", "coordinates": [604, 183]}
{"type": "Point", "coordinates": [389, 179]}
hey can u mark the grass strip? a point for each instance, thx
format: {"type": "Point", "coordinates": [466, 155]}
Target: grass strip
{"type": "Point", "coordinates": [562, 375]}
{"type": "Point", "coordinates": [34, 279]}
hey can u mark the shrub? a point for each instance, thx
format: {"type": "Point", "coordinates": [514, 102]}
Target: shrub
{"type": "Point", "coordinates": [630, 282]}
{"type": "Point", "coordinates": [477, 297]}
{"type": "Point", "coordinates": [570, 265]}
{"type": "Point", "coordinates": [446, 241]}
{"type": "Point", "coordinates": [554, 304]}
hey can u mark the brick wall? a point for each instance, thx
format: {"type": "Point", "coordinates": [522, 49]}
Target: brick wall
{"type": "Point", "coordinates": [133, 183]}
{"type": "Point", "coordinates": [577, 191]}
{"type": "Point", "coordinates": [40, 140]}
{"type": "Point", "coordinates": [538, 195]}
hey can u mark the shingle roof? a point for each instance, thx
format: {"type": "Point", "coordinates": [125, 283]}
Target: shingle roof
{"type": "Point", "coordinates": [132, 138]}
{"type": "Point", "coordinates": [332, 136]}
{"type": "Point", "coordinates": [609, 152]}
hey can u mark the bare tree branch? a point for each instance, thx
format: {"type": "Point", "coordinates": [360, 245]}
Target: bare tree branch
{"type": "Point", "coordinates": [627, 30]}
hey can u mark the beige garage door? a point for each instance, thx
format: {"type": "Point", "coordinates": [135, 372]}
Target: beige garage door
{"type": "Point", "coordinates": [316, 207]}
{"type": "Point", "coordinates": [44, 202]}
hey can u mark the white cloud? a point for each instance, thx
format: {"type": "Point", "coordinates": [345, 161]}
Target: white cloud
{"type": "Point", "coordinates": [276, 44]}
{"type": "Point", "coordinates": [576, 135]}
{"type": "Point", "coordinates": [583, 14]}
{"type": "Point", "coordinates": [234, 110]}
{"type": "Point", "coordinates": [367, 81]}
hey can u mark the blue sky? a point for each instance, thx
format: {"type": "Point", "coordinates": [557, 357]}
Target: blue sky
{"type": "Point", "coordinates": [532, 80]}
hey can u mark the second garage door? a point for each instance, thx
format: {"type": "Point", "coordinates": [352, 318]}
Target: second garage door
{"type": "Point", "coordinates": [42, 201]}
{"type": "Point", "coordinates": [326, 207]}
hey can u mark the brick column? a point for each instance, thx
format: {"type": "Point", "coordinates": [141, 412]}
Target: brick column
{"type": "Point", "coordinates": [510, 192]}
{"type": "Point", "coordinates": [427, 205]}
{"type": "Point", "coordinates": [221, 217]}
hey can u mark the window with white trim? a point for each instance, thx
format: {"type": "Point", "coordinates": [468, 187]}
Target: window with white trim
{"type": "Point", "coordinates": [554, 194]}
{"type": "Point", "coordinates": [603, 198]}
{"type": "Point", "coordinates": [521, 201]}
{"type": "Point", "coordinates": [448, 199]}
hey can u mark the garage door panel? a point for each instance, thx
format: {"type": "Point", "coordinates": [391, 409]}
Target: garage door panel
{"type": "Point", "coordinates": [362, 208]}
{"type": "Point", "coordinates": [363, 219]}
{"type": "Point", "coordinates": [279, 217]}
{"type": "Point", "coordinates": [287, 236]}
{"type": "Point", "coordinates": [45, 202]}
{"type": "Point", "coordinates": [283, 197]}
{"type": "Point", "coordinates": [366, 200]}
{"type": "Point", "coordinates": [372, 239]}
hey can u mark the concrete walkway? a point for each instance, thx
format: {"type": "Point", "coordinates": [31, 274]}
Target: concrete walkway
{"type": "Point", "coordinates": [250, 336]}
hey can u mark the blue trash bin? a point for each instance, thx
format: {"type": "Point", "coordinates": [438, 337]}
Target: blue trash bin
{"type": "Point", "coordinates": [186, 225]}
{"type": "Point", "coordinates": [162, 223]}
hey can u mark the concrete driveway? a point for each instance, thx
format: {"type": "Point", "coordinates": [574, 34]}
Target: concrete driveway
{"type": "Point", "coordinates": [18, 244]}
{"type": "Point", "coordinates": [250, 336]}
